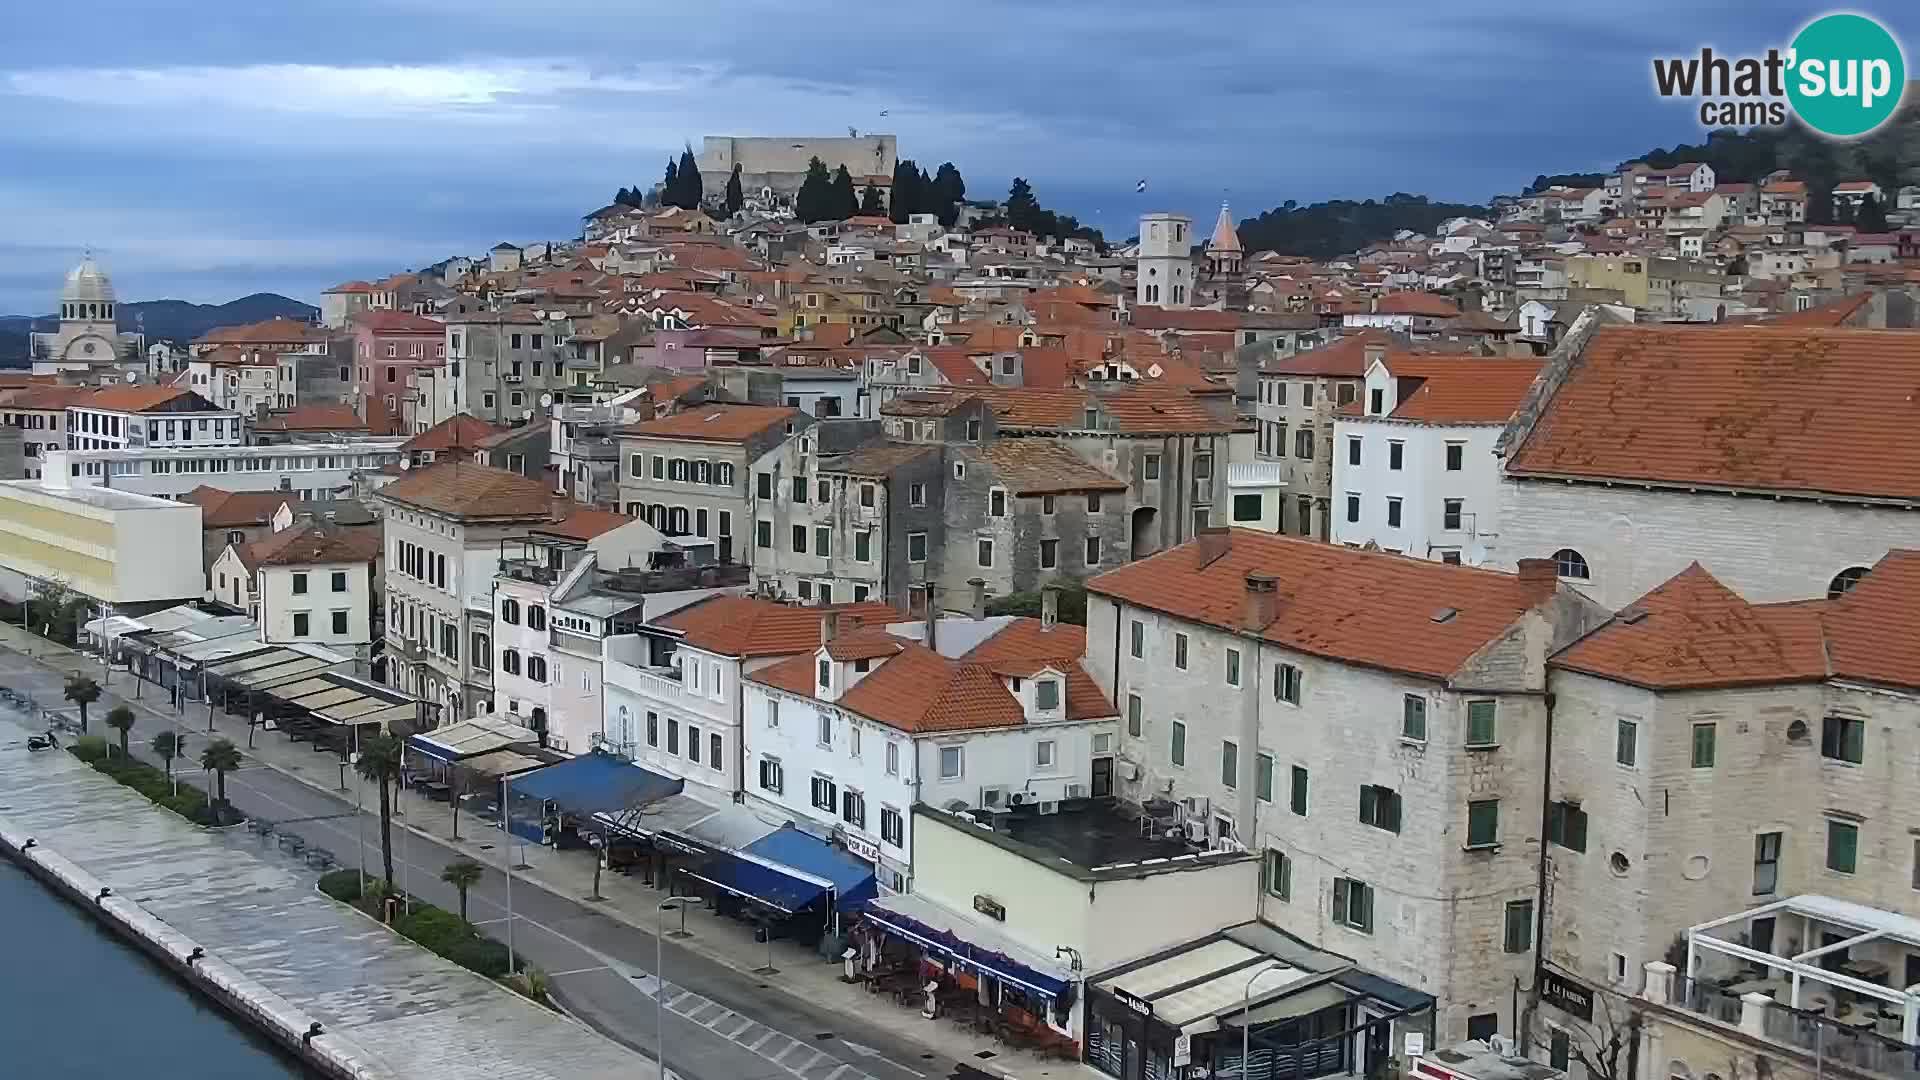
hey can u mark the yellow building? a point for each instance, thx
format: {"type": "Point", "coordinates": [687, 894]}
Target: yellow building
{"type": "Point", "coordinates": [1626, 273]}
{"type": "Point", "coordinates": [119, 548]}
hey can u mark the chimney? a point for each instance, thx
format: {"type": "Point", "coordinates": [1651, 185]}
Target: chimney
{"type": "Point", "coordinates": [1540, 576]}
{"type": "Point", "coordinates": [979, 609]}
{"type": "Point", "coordinates": [933, 617]}
{"type": "Point", "coordinates": [829, 627]}
{"type": "Point", "coordinates": [1374, 351]}
{"type": "Point", "coordinates": [1213, 543]}
{"type": "Point", "coordinates": [1262, 603]}
{"type": "Point", "coordinates": [917, 601]}
{"type": "Point", "coordinates": [1049, 607]}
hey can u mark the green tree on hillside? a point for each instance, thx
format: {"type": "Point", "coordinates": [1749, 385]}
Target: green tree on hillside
{"type": "Point", "coordinates": [870, 201]}
{"type": "Point", "coordinates": [689, 193]}
{"type": "Point", "coordinates": [845, 202]}
{"type": "Point", "coordinates": [735, 197]}
{"type": "Point", "coordinates": [814, 201]}
{"type": "Point", "coordinates": [1870, 218]}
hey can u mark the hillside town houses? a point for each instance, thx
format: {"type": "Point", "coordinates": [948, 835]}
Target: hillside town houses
{"type": "Point", "coordinates": [1493, 633]}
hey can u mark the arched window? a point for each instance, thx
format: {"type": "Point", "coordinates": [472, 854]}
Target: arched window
{"type": "Point", "coordinates": [536, 668]}
{"type": "Point", "coordinates": [510, 612]}
{"type": "Point", "coordinates": [482, 651]}
{"type": "Point", "coordinates": [510, 661]}
{"type": "Point", "coordinates": [1571, 564]}
{"type": "Point", "coordinates": [1844, 581]}
{"type": "Point", "coordinates": [536, 617]}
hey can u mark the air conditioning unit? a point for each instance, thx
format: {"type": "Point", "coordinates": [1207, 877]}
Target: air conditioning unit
{"type": "Point", "coordinates": [1129, 770]}
{"type": "Point", "coordinates": [1501, 1045]}
{"type": "Point", "coordinates": [991, 797]}
{"type": "Point", "coordinates": [1049, 807]}
{"type": "Point", "coordinates": [1017, 798]}
{"type": "Point", "coordinates": [1197, 832]}
{"type": "Point", "coordinates": [1076, 791]}
{"type": "Point", "coordinates": [1197, 806]}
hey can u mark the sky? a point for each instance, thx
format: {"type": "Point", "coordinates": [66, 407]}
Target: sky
{"type": "Point", "coordinates": [206, 149]}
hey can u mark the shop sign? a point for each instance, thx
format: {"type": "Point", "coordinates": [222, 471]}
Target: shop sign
{"type": "Point", "coordinates": [1565, 994]}
{"type": "Point", "coordinates": [1416, 1044]}
{"type": "Point", "coordinates": [1137, 1004]}
{"type": "Point", "coordinates": [988, 906]}
{"type": "Point", "coordinates": [862, 848]}
{"type": "Point", "coordinates": [1183, 1049]}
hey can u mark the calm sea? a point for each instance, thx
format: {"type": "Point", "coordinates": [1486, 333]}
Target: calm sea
{"type": "Point", "coordinates": [76, 1003]}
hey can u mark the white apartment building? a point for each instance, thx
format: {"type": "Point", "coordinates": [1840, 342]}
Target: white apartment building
{"type": "Point", "coordinates": [549, 620]}
{"type": "Point", "coordinates": [1649, 449]}
{"type": "Point", "coordinates": [1374, 725]}
{"type": "Point", "coordinates": [150, 416]}
{"type": "Point", "coordinates": [1299, 396]}
{"type": "Point", "coordinates": [1414, 470]}
{"type": "Point", "coordinates": [307, 583]}
{"type": "Point", "coordinates": [1712, 755]}
{"type": "Point", "coordinates": [306, 470]}
{"type": "Point", "coordinates": [996, 713]}
{"type": "Point", "coordinates": [243, 379]}
{"type": "Point", "coordinates": [121, 549]}
{"type": "Point", "coordinates": [444, 526]}
{"type": "Point", "coordinates": [673, 689]}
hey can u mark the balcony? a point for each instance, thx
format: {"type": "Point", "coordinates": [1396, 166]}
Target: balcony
{"type": "Point", "coordinates": [527, 570]}
{"type": "Point", "coordinates": [577, 644]}
{"type": "Point", "coordinates": [513, 379]}
{"type": "Point", "coordinates": [657, 683]}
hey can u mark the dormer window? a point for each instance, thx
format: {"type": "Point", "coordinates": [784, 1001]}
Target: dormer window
{"type": "Point", "coordinates": [1377, 400]}
{"type": "Point", "coordinates": [1092, 419]}
{"type": "Point", "coordinates": [1046, 695]}
{"type": "Point", "coordinates": [826, 674]}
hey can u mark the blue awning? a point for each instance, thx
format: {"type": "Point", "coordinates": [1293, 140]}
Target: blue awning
{"type": "Point", "coordinates": [789, 870]}
{"type": "Point", "coordinates": [595, 783]}
{"type": "Point", "coordinates": [924, 928]}
{"type": "Point", "coordinates": [852, 878]}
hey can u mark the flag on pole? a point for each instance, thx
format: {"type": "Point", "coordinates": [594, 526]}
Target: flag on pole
{"type": "Point", "coordinates": [1140, 187]}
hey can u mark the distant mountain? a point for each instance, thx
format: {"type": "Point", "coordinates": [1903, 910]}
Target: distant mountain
{"type": "Point", "coordinates": [163, 320]}
{"type": "Point", "coordinates": [1334, 228]}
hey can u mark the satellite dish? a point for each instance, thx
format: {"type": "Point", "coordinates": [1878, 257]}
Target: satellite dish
{"type": "Point", "coordinates": [405, 464]}
{"type": "Point", "coordinates": [546, 400]}
{"type": "Point", "coordinates": [131, 377]}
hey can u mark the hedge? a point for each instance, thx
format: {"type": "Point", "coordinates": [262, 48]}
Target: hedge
{"type": "Point", "coordinates": [437, 930]}
{"type": "Point", "coordinates": [190, 803]}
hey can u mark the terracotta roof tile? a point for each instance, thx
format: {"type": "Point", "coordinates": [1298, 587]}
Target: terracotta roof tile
{"type": "Point", "coordinates": [311, 544]}
{"type": "Point", "coordinates": [714, 423]}
{"type": "Point", "coordinates": [1692, 632]}
{"type": "Point", "coordinates": [1064, 648]}
{"type": "Point", "coordinates": [1148, 317]}
{"type": "Point", "coordinates": [1416, 303]}
{"type": "Point", "coordinates": [269, 332]}
{"type": "Point", "coordinates": [751, 626]}
{"type": "Point", "coordinates": [585, 523]}
{"type": "Point", "coordinates": [138, 398]}
{"type": "Point", "coordinates": [1343, 359]}
{"type": "Point", "coordinates": [466, 489]}
{"type": "Point", "coordinates": [1042, 466]}
{"type": "Point", "coordinates": [1818, 411]}
{"type": "Point", "coordinates": [315, 418]}
{"type": "Point", "coordinates": [1461, 390]}
{"type": "Point", "coordinates": [456, 431]}
{"type": "Point", "coordinates": [954, 364]}
{"type": "Point", "coordinates": [1361, 607]}
{"type": "Point", "coordinates": [1873, 632]}
{"type": "Point", "coordinates": [223, 509]}
{"type": "Point", "coordinates": [398, 322]}
{"type": "Point", "coordinates": [1136, 410]}
{"type": "Point", "coordinates": [1834, 313]}
{"type": "Point", "coordinates": [878, 459]}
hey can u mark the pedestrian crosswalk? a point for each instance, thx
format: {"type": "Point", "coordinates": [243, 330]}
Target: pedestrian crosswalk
{"type": "Point", "coordinates": [792, 1055]}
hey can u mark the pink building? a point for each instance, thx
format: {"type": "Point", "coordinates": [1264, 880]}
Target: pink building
{"type": "Point", "coordinates": [387, 347]}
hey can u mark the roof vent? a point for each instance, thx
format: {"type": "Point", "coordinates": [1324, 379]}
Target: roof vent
{"type": "Point", "coordinates": [1445, 614]}
{"type": "Point", "coordinates": [1632, 615]}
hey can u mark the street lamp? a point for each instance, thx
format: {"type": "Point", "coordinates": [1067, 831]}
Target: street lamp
{"type": "Point", "coordinates": [359, 832]}
{"type": "Point", "coordinates": [1246, 1026]}
{"type": "Point", "coordinates": [660, 974]}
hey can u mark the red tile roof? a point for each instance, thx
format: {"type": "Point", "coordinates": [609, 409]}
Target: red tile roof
{"type": "Point", "coordinates": [1459, 389]}
{"type": "Point", "coordinates": [1136, 410]}
{"type": "Point", "coordinates": [1693, 632]}
{"type": "Point", "coordinates": [1146, 317]}
{"type": "Point", "coordinates": [1345, 358]}
{"type": "Point", "coordinates": [223, 509]}
{"type": "Point", "coordinates": [1873, 632]}
{"type": "Point", "coordinates": [1817, 411]}
{"type": "Point", "coordinates": [398, 322]}
{"type": "Point", "coordinates": [749, 626]}
{"type": "Point", "coordinates": [461, 430]}
{"type": "Point", "coordinates": [585, 523]}
{"type": "Point", "coordinates": [136, 398]}
{"type": "Point", "coordinates": [1834, 313]}
{"type": "Point", "coordinates": [1024, 641]}
{"type": "Point", "coordinates": [269, 332]}
{"type": "Point", "coordinates": [1367, 608]}
{"type": "Point", "coordinates": [1042, 466]}
{"type": "Point", "coordinates": [715, 423]}
{"type": "Point", "coordinates": [466, 489]}
{"type": "Point", "coordinates": [916, 691]}
{"type": "Point", "coordinates": [1416, 303]}
{"type": "Point", "coordinates": [312, 544]}
{"type": "Point", "coordinates": [316, 418]}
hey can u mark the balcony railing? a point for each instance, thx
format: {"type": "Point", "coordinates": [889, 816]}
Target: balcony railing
{"type": "Point", "coordinates": [578, 644]}
{"type": "Point", "coordinates": [529, 571]}
{"type": "Point", "coordinates": [1815, 1033]}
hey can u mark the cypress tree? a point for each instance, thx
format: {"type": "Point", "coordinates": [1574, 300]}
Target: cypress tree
{"type": "Point", "coordinates": [1870, 218]}
{"type": "Point", "coordinates": [690, 192]}
{"type": "Point", "coordinates": [735, 197]}
{"type": "Point", "coordinates": [949, 191]}
{"type": "Point", "coordinates": [844, 202]}
{"type": "Point", "coordinates": [870, 201]}
{"type": "Point", "coordinates": [813, 203]}
{"type": "Point", "coordinates": [906, 192]}
{"type": "Point", "coordinates": [670, 185]}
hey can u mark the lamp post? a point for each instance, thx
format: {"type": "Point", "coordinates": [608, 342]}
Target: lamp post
{"type": "Point", "coordinates": [506, 822]}
{"type": "Point", "coordinates": [660, 975]}
{"type": "Point", "coordinates": [359, 831]}
{"type": "Point", "coordinates": [1246, 1026]}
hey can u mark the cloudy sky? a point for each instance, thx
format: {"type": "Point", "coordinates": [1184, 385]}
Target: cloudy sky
{"type": "Point", "coordinates": [211, 148]}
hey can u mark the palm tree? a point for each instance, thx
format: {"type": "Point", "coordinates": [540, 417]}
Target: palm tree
{"type": "Point", "coordinates": [167, 745]}
{"type": "Point", "coordinates": [120, 719]}
{"type": "Point", "coordinates": [83, 692]}
{"type": "Point", "coordinates": [220, 758]}
{"type": "Point", "coordinates": [379, 762]}
{"type": "Point", "coordinates": [462, 874]}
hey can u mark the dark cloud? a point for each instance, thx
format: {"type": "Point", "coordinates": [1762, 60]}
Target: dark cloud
{"type": "Point", "coordinates": [208, 147]}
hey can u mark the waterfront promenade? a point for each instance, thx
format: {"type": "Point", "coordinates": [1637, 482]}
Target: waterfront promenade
{"type": "Point", "coordinates": [388, 1007]}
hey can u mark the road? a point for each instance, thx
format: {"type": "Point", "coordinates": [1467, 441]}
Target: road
{"type": "Point", "coordinates": [720, 1023]}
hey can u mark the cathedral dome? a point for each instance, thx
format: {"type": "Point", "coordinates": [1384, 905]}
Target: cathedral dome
{"type": "Point", "coordinates": [87, 283]}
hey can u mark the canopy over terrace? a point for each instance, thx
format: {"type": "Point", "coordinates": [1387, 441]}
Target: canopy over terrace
{"type": "Point", "coordinates": [302, 689]}
{"type": "Point", "coordinates": [1839, 927]}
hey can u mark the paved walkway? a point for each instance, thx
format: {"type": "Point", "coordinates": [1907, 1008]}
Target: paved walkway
{"type": "Point", "coordinates": [412, 1014]}
{"type": "Point", "coordinates": [895, 1043]}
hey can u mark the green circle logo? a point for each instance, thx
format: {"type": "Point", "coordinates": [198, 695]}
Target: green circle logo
{"type": "Point", "coordinates": [1847, 75]}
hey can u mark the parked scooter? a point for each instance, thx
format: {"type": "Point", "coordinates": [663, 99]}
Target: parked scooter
{"type": "Point", "coordinates": [37, 743]}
